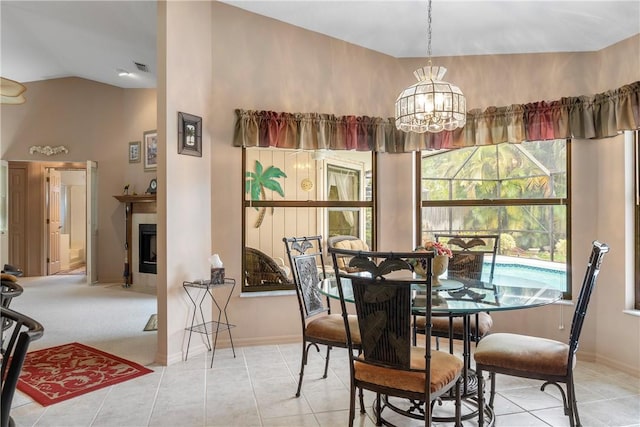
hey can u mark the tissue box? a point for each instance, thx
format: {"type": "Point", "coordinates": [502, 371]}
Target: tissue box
{"type": "Point", "coordinates": [217, 276]}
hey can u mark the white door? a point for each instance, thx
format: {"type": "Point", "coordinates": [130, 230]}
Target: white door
{"type": "Point", "coordinates": [4, 213]}
{"type": "Point", "coordinates": [54, 181]}
{"type": "Point", "coordinates": [92, 222]}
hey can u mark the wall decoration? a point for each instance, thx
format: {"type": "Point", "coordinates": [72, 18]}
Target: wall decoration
{"type": "Point", "coordinates": [306, 184]}
{"type": "Point", "coordinates": [189, 134]}
{"type": "Point", "coordinates": [257, 181]}
{"type": "Point", "coordinates": [134, 152]}
{"type": "Point", "coordinates": [48, 150]}
{"type": "Point", "coordinates": [150, 141]}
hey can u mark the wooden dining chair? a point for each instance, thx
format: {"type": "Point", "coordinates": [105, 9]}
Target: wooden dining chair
{"type": "Point", "coordinates": [319, 325]}
{"type": "Point", "coordinates": [14, 343]}
{"type": "Point", "coordinates": [389, 364]}
{"type": "Point", "coordinates": [539, 358]}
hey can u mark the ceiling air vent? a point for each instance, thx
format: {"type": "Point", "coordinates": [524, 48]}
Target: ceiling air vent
{"type": "Point", "coordinates": [142, 67]}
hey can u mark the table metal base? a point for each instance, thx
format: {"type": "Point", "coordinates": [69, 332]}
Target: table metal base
{"type": "Point", "coordinates": [415, 409]}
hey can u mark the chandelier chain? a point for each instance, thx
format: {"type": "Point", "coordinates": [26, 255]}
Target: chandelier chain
{"type": "Point", "coordinates": [429, 31]}
{"type": "Point", "coordinates": [431, 105]}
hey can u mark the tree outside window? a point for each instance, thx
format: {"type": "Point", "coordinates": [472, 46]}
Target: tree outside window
{"type": "Point", "coordinates": [519, 191]}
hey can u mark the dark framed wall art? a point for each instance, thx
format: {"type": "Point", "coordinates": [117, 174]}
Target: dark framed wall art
{"type": "Point", "coordinates": [134, 152]}
{"type": "Point", "coordinates": [189, 134]}
{"type": "Point", "coordinates": [150, 142]}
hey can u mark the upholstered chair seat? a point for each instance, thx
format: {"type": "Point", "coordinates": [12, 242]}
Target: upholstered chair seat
{"type": "Point", "coordinates": [387, 363]}
{"type": "Point", "coordinates": [539, 358]}
{"type": "Point", "coordinates": [444, 370]}
{"type": "Point", "coordinates": [330, 328]}
{"type": "Point", "coordinates": [441, 323]}
{"type": "Point", "coordinates": [319, 325]}
{"type": "Point", "coordinates": [533, 355]}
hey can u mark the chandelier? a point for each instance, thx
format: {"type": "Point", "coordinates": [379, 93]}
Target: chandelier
{"type": "Point", "coordinates": [431, 105]}
{"type": "Point", "coordinates": [11, 92]}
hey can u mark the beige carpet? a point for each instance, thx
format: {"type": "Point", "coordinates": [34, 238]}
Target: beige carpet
{"type": "Point", "coordinates": [104, 316]}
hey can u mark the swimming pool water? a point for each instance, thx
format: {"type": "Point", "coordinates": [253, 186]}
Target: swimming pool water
{"type": "Point", "coordinates": [511, 274]}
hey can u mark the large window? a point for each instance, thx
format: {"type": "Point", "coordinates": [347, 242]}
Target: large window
{"type": "Point", "coordinates": [301, 193]}
{"type": "Point", "coordinates": [519, 191]}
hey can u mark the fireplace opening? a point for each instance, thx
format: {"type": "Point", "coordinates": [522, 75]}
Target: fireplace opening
{"type": "Point", "coordinates": [147, 247]}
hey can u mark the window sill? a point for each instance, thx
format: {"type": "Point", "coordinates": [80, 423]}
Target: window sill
{"type": "Point", "coordinates": [635, 313]}
{"type": "Point", "coordinates": [267, 294]}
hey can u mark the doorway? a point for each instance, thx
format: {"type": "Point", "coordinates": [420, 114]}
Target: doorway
{"type": "Point", "coordinates": [66, 205]}
{"type": "Point", "coordinates": [42, 212]}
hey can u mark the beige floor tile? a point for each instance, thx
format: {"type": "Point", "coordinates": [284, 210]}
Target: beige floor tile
{"type": "Point", "coordinates": [531, 398]}
{"type": "Point", "coordinates": [524, 419]}
{"type": "Point", "coordinates": [307, 420]}
{"type": "Point", "coordinates": [257, 387]}
{"type": "Point", "coordinates": [241, 411]}
{"type": "Point", "coordinates": [282, 405]}
{"type": "Point", "coordinates": [341, 418]}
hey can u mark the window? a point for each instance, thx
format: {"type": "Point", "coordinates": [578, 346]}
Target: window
{"type": "Point", "coordinates": [519, 191]}
{"type": "Point", "coordinates": [301, 193]}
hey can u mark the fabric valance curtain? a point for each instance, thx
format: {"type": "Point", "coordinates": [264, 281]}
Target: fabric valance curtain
{"type": "Point", "coordinates": [585, 117]}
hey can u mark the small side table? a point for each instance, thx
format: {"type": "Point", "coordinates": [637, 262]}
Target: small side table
{"type": "Point", "coordinates": [213, 326]}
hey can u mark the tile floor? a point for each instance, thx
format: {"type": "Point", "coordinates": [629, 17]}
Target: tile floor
{"type": "Point", "coordinates": [257, 387]}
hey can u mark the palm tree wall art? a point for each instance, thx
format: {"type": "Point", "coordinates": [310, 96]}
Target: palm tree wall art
{"type": "Point", "coordinates": [256, 183]}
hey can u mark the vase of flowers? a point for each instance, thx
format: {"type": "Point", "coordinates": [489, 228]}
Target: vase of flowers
{"type": "Point", "coordinates": [440, 260]}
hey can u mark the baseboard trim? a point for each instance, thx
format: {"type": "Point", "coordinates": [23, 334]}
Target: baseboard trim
{"type": "Point", "coordinates": [612, 363]}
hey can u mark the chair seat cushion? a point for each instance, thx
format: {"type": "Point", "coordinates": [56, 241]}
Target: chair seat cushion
{"type": "Point", "coordinates": [331, 328]}
{"type": "Point", "coordinates": [440, 324]}
{"type": "Point", "coordinates": [444, 369]}
{"type": "Point", "coordinates": [522, 353]}
{"type": "Point", "coordinates": [9, 277]}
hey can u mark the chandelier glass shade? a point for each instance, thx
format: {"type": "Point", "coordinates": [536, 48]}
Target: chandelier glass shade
{"type": "Point", "coordinates": [431, 105]}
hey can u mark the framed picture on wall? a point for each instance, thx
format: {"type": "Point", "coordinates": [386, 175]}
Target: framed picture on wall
{"type": "Point", "coordinates": [189, 134]}
{"type": "Point", "coordinates": [134, 152]}
{"type": "Point", "coordinates": [150, 142]}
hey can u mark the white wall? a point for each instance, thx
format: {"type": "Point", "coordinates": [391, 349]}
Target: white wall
{"type": "Point", "coordinates": [261, 63]}
{"type": "Point", "coordinates": [214, 58]}
{"type": "Point", "coordinates": [184, 182]}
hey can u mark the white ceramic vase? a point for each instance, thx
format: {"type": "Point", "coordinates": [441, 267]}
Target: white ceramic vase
{"type": "Point", "coordinates": [440, 265]}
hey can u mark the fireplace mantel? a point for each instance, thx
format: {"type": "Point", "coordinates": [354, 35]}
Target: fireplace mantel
{"type": "Point", "coordinates": [139, 203]}
{"type": "Point", "coordinates": [137, 198]}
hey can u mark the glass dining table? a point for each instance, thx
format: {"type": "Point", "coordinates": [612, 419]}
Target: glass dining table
{"type": "Point", "coordinates": [464, 298]}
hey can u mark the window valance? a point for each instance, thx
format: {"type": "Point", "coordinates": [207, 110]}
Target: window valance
{"type": "Point", "coordinates": [585, 117]}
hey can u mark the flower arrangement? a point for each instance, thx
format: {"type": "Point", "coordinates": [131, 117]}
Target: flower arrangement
{"type": "Point", "coordinates": [438, 247]}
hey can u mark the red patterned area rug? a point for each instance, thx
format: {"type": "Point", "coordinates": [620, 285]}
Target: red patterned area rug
{"type": "Point", "coordinates": [59, 373]}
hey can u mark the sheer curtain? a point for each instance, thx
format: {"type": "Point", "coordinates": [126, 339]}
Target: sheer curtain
{"type": "Point", "coordinates": [343, 181]}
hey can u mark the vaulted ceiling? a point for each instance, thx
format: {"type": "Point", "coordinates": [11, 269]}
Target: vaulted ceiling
{"type": "Point", "coordinates": [94, 39]}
